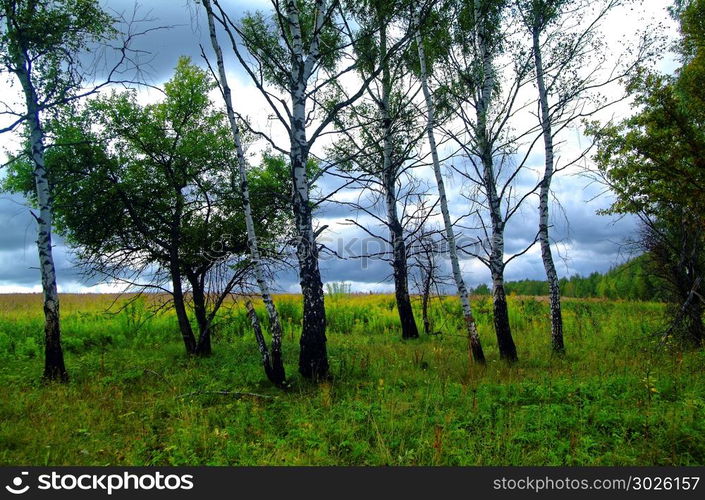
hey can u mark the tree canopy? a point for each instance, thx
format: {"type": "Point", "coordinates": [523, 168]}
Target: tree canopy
{"type": "Point", "coordinates": [149, 194]}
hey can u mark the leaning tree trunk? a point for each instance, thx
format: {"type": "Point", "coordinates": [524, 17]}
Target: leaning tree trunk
{"type": "Point", "coordinates": [473, 336]}
{"type": "Point", "coordinates": [505, 342]}
{"type": "Point", "coordinates": [400, 268]}
{"type": "Point", "coordinates": [180, 305]}
{"type": "Point", "coordinates": [274, 364]}
{"type": "Point", "coordinates": [267, 362]}
{"type": "Point", "coordinates": [546, 255]}
{"type": "Point", "coordinates": [54, 368]}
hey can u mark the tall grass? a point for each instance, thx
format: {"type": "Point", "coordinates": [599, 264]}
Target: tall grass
{"type": "Point", "coordinates": [618, 397]}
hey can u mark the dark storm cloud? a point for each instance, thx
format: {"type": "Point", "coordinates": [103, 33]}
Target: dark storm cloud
{"type": "Point", "coordinates": [588, 242]}
{"type": "Point", "coordinates": [19, 267]}
{"type": "Point", "coordinates": [372, 271]}
{"type": "Point", "coordinates": [18, 253]}
{"type": "Point", "coordinates": [16, 224]}
{"type": "Point", "coordinates": [333, 210]}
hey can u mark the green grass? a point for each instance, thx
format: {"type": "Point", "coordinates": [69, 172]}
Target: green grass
{"type": "Point", "coordinates": [616, 398]}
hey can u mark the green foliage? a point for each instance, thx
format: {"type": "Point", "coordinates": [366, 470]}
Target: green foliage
{"type": "Point", "coordinates": [269, 39]}
{"type": "Point", "coordinates": [436, 36]}
{"type": "Point", "coordinates": [693, 71]}
{"type": "Point", "coordinates": [614, 400]}
{"type": "Point", "coordinates": [338, 289]}
{"type": "Point", "coordinates": [51, 33]}
{"type": "Point", "coordinates": [378, 18]}
{"type": "Point", "coordinates": [125, 177]}
{"type": "Point", "coordinates": [655, 163]}
{"type": "Point", "coordinates": [633, 280]}
{"type": "Point", "coordinates": [387, 117]}
{"type": "Point", "coordinates": [483, 289]}
{"type": "Point", "coordinates": [655, 158]}
{"type": "Point", "coordinates": [475, 21]}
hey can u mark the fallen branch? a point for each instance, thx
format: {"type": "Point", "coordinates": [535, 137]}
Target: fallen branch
{"type": "Point", "coordinates": [236, 395]}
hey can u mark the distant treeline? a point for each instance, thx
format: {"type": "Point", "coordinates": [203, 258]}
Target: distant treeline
{"type": "Point", "coordinates": [631, 281]}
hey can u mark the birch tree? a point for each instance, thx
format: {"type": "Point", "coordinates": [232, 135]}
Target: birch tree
{"type": "Point", "coordinates": [570, 68]}
{"type": "Point", "coordinates": [40, 42]}
{"type": "Point", "coordinates": [486, 80]}
{"type": "Point", "coordinates": [541, 14]}
{"type": "Point", "coordinates": [382, 147]}
{"type": "Point", "coordinates": [143, 195]}
{"type": "Point", "coordinates": [384, 13]}
{"type": "Point", "coordinates": [297, 56]}
{"type": "Point", "coordinates": [271, 360]}
{"type": "Point", "coordinates": [449, 232]}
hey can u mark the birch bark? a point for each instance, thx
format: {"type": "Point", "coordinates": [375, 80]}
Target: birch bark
{"type": "Point", "coordinates": [507, 348]}
{"type": "Point", "coordinates": [546, 255]}
{"type": "Point", "coordinates": [54, 368]}
{"type": "Point", "coordinates": [473, 335]}
{"type": "Point", "coordinates": [273, 364]}
{"type": "Point", "coordinates": [313, 357]}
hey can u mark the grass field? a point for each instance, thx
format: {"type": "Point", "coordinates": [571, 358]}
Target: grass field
{"type": "Point", "coordinates": [617, 398]}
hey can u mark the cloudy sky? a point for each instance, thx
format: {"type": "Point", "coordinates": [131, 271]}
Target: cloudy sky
{"type": "Point", "coordinates": [585, 241]}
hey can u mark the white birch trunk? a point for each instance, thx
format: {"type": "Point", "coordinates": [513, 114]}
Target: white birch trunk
{"type": "Point", "coordinates": [473, 335]}
{"type": "Point", "coordinates": [275, 360]}
{"type": "Point", "coordinates": [546, 255]}
{"type": "Point", "coordinates": [313, 358]}
{"type": "Point", "coordinates": [507, 348]}
{"type": "Point", "coordinates": [54, 368]}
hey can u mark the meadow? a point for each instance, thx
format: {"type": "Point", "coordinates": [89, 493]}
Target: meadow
{"type": "Point", "coordinates": [618, 397]}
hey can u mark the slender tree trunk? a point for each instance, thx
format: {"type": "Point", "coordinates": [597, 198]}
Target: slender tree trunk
{"type": "Point", "coordinates": [546, 255]}
{"type": "Point", "coordinates": [409, 329]}
{"type": "Point", "coordinates": [472, 333]}
{"type": "Point", "coordinates": [426, 298]}
{"type": "Point", "coordinates": [275, 371]}
{"type": "Point", "coordinates": [180, 305]}
{"type": "Point", "coordinates": [400, 268]}
{"type": "Point", "coordinates": [269, 365]}
{"type": "Point", "coordinates": [505, 342]}
{"type": "Point", "coordinates": [203, 346]}
{"type": "Point", "coordinates": [54, 368]}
